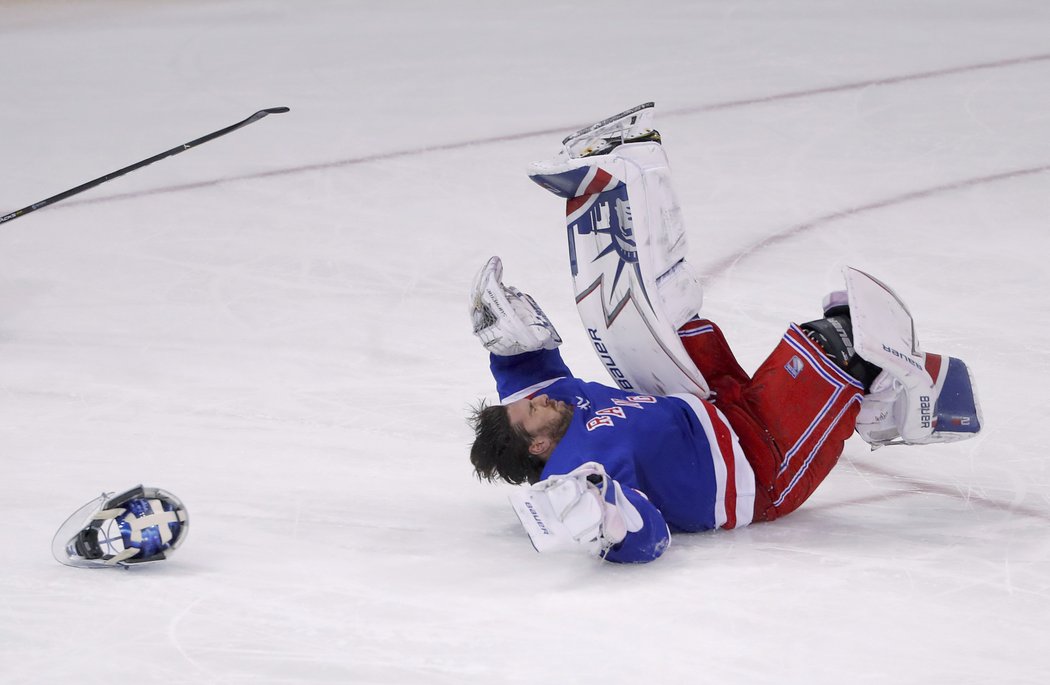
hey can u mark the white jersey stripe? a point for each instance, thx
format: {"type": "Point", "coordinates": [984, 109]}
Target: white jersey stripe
{"type": "Point", "coordinates": [744, 476]}
{"type": "Point", "coordinates": [531, 390]}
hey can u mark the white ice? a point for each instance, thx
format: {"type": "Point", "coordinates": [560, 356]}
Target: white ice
{"type": "Point", "coordinates": [273, 326]}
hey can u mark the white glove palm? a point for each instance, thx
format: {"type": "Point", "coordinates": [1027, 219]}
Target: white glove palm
{"type": "Point", "coordinates": [507, 321]}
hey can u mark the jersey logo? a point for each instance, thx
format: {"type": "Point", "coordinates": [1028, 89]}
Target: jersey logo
{"type": "Point", "coordinates": [634, 401]}
{"type": "Point", "coordinates": [599, 421]}
{"type": "Point", "coordinates": [604, 417]}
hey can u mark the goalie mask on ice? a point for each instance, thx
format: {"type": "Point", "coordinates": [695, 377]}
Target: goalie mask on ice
{"type": "Point", "coordinates": [138, 526]}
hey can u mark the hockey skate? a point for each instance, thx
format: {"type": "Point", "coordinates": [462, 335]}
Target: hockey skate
{"type": "Point", "coordinates": [630, 126]}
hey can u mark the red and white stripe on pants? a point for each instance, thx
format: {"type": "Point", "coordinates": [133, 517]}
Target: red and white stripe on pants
{"type": "Point", "coordinates": [791, 418]}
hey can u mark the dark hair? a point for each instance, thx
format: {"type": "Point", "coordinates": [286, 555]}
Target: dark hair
{"type": "Point", "coordinates": [500, 449]}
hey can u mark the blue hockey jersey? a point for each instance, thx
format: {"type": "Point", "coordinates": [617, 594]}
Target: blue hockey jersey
{"type": "Point", "coordinates": [676, 457]}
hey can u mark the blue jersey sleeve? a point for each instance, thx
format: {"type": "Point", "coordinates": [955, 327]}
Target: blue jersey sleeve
{"type": "Point", "coordinates": [646, 544]}
{"type": "Point", "coordinates": [522, 371]}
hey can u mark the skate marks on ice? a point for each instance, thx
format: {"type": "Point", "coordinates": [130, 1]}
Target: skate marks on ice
{"type": "Point", "coordinates": [314, 635]}
{"type": "Point", "coordinates": [974, 499]}
{"type": "Point", "coordinates": [681, 111]}
{"type": "Point", "coordinates": [892, 485]}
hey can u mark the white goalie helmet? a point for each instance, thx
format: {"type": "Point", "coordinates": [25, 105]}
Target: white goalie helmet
{"type": "Point", "coordinates": [138, 526]}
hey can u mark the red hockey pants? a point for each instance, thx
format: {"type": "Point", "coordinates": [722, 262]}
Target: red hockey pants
{"type": "Point", "coordinates": [791, 418]}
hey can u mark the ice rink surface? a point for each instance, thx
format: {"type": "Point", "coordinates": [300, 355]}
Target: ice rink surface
{"type": "Point", "coordinates": [273, 326]}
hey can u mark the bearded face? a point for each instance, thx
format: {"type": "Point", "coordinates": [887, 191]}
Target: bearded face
{"type": "Point", "coordinates": [544, 420]}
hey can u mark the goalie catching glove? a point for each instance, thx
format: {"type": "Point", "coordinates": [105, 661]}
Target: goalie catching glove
{"type": "Point", "coordinates": [506, 320]}
{"type": "Point", "coordinates": [583, 509]}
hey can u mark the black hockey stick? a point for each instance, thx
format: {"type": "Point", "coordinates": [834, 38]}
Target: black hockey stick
{"type": "Point", "coordinates": [138, 165]}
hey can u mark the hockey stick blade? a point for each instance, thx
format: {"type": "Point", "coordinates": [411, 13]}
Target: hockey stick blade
{"type": "Point", "coordinates": [138, 165]}
{"type": "Point", "coordinates": [605, 122]}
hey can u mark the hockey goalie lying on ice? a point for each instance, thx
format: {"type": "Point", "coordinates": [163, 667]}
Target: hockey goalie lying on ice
{"type": "Point", "coordinates": [686, 440]}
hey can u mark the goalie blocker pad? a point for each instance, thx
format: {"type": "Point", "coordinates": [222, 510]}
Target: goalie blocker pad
{"type": "Point", "coordinates": [536, 513]}
{"type": "Point", "coordinates": [627, 251]}
{"type": "Point", "coordinates": [937, 399]}
{"type": "Point", "coordinates": [581, 510]}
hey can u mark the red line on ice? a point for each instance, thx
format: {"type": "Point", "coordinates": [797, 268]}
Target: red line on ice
{"type": "Point", "coordinates": [963, 493]}
{"type": "Point", "coordinates": [718, 268]}
{"type": "Point", "coordinates": [760, 100]}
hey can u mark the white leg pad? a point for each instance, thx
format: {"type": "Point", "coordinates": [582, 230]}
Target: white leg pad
{"type": "Point", "coordinates": [627, 252]}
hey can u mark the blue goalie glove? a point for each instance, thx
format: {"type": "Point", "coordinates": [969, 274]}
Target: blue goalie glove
{"type": "Point", "coordinates": [138, 526]}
